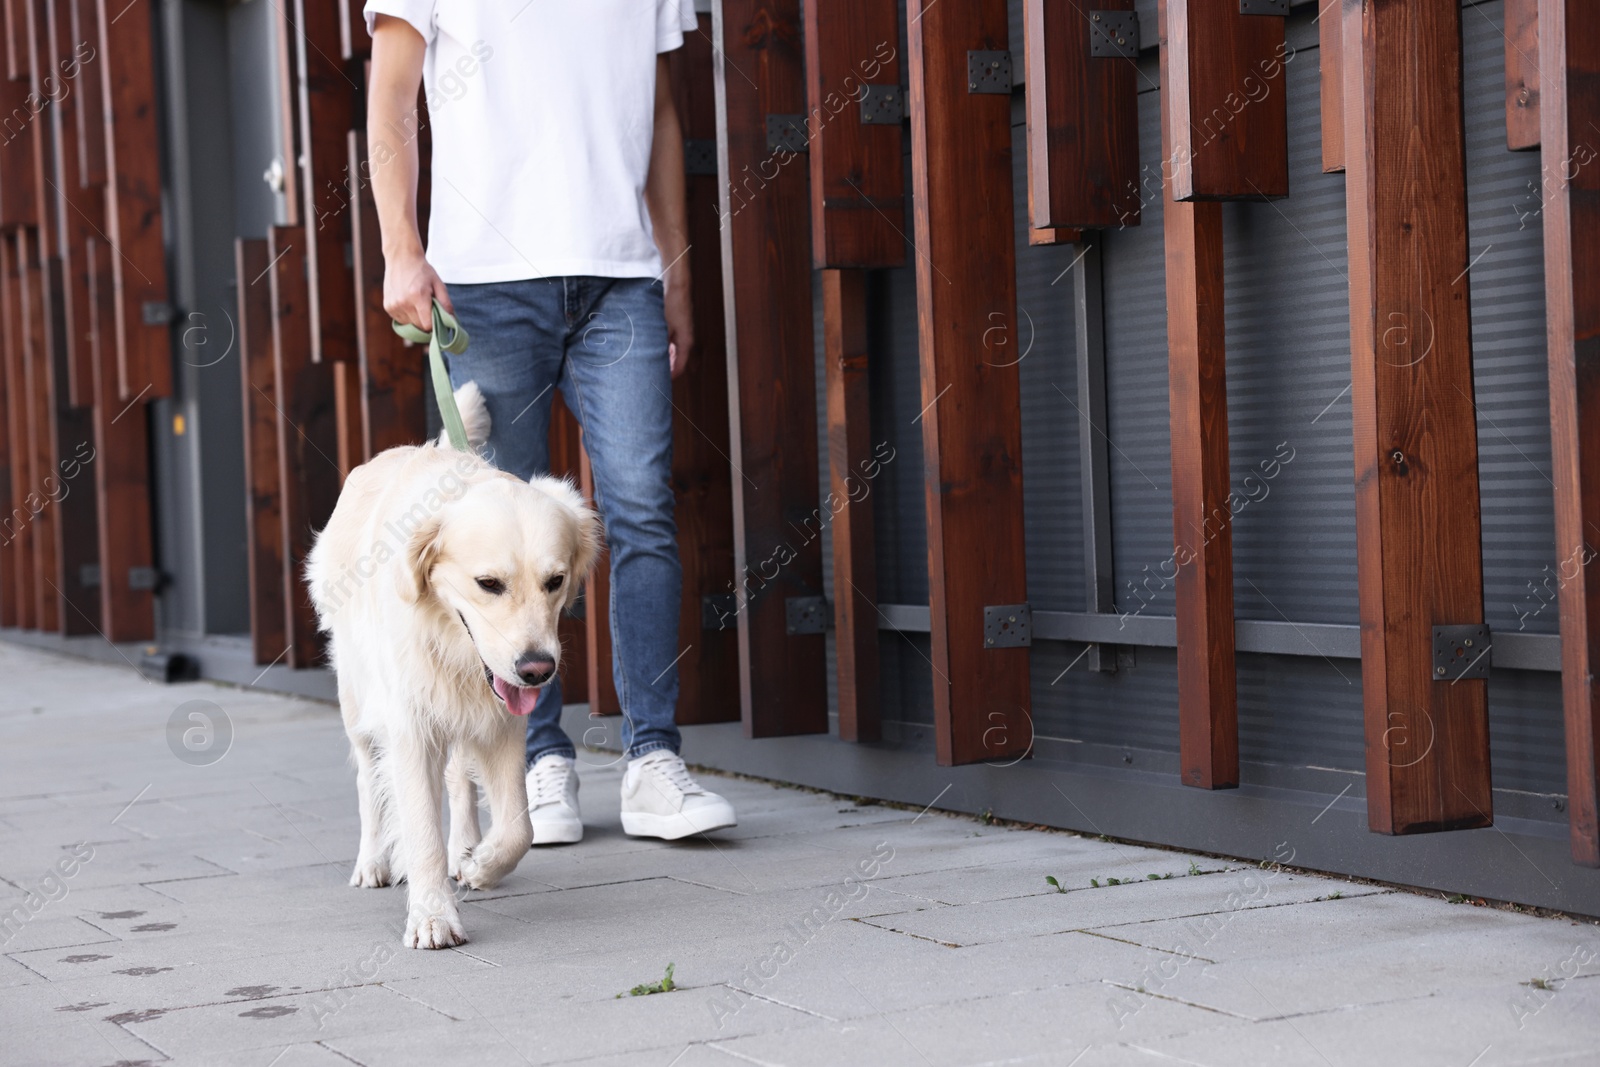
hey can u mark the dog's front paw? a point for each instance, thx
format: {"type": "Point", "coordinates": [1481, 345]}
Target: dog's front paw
{"type": "Point", "coordinates": [433, 931]}
{"type": "Point", "coordinates": [370, 874]}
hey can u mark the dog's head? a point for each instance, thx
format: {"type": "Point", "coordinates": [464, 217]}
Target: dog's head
{"type": "Point", "coordinates": [504, 560]}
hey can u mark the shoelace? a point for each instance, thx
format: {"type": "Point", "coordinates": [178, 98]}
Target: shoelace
{"type": "Point", "coordinates": [550, 782]}
{"type": "Point", "coordinates": [677, 774]}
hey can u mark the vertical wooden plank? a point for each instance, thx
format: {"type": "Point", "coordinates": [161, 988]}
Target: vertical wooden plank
{"type": "Point", "coordinates": [19, 204]}
{"type": "Point", "coordinates": [857, 177]}
{"type": "Point", "coordinates": [708, 673]}
{"type": "Point", "coordinates": [391, 372]}
{"type": "Point", "coordinates": [600, 683]}
{"type": "Point", "coordinates": [766, 272]}
{"type": "Point", "coordinates": [81, 210]}
{"type": "Point", "coordinates": [121, 471]}
{"type": "Point", "coordinates": [1522, 74]}
{"type": "Point", "coordinates": [1330, 47]}
{"type": "Point", "coordinates": [327, 97]}
{"type": "Point", "coordinates": [1418, 534]}
{"type": "Point", "coordinates": [850, 464]}
{"type": "Point", "coordinates": [307, 437]}
{"type": "Point", "coordinates": [1054, 235]}
{"type": "Point", "coordinates": [1227, 113]}
{"type": "Point", "coordinates": [19, 522]}
{"type": "Point", "coordinates": [39, 380]}
{"type": "Point", "coordinates": [1569, 54]}
{"type": "Point", "coordinates": [1202, 528]}
{"type": "Point", "coordinates": [263, 497]}
{"type": "Point", "coordinates": [566, 461]}
{"type": "Point", "coordinates": [354, 41]}
{"type": "Point", "coordinates": [10, 493]}
{"type": "Point", "coordinates": [971, 419]}
{"type": "Point", "coordinates": [17, 56]}
{"type": "Point", "coordinates": [72, 451]}
{"type": "Point", "coordinates": [133, 198]}
{"type": "Point", "coordinates": [1083, 121]}
{"type": "Point", "coordinates": [347, 416]}
{"type": "Point", "coordinates": [286, 75]}
{"type": "Point", "coordinates": [90, 115]}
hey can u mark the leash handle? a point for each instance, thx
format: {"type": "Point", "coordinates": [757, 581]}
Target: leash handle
{"type": "Point", "coordinates": [447, 336]}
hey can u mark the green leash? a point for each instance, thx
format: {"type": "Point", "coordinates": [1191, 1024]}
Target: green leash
{"type": "Point", "coordinates": [447, 336]}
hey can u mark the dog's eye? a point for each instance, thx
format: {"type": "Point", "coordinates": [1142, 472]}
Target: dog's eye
{"type": "Point", "coordinates": [554, 583]}
{"type": "Point", "coordinates": [492, 585]}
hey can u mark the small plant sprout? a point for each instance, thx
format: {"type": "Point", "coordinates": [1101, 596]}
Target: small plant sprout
{"type": "Point", "coordinates": [1194, 868]}
{"type": "Point", "coordinates": [1050, 880]}
{"type": "Point", "coordinates": [666, 985]}
{"type": "Point", "coordinates": [1095, 882]}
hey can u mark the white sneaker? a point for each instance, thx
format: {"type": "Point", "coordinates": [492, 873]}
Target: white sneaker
{"type": "Point", "coordinates": [660, 799]}
{"type": "Point", "coordinates": [553, 801]}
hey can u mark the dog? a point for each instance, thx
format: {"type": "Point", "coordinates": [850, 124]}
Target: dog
{"type": "Point", "coordinates": [440, 582]}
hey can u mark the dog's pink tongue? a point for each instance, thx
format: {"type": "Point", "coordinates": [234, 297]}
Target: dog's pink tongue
{"type": "Point", "coordinates": [519, 699]}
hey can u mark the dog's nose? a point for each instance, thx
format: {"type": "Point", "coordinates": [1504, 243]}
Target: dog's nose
{"type": "Point", "coordinates": [535, 668]}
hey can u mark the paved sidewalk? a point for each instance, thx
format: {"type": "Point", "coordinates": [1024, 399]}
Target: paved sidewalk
{"type": "Point", "coordinates": [204, 919]}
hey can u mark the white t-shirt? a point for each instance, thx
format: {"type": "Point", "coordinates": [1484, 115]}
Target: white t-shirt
{"type": "Point", "coordinates": [543, 113]}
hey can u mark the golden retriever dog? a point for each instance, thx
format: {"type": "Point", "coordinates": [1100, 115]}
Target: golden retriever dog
{"type": "Point", "coordinates": [440, 582]}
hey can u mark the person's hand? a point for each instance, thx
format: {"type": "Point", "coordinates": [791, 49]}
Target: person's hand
{"type": "Point", "coordinates": [410, 287]}
{"type": "Point", "coordinates": [680, 322]}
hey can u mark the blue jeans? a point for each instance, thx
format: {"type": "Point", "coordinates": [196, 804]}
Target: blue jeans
{"type": "Point", "coordinates": [603, 343]}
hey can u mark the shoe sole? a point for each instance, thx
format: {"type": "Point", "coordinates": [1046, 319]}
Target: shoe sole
{"type": "Point", "coordinates": [557, 833]}
{"type": "Point", "coordinates": [670, 827]}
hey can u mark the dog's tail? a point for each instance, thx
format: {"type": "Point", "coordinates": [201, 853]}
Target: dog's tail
{"type": "Point", "coordinates": [474, 416]}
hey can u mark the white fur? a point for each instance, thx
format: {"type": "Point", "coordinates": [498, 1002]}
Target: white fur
{"type": "Point", "coordinates": [394, 578]}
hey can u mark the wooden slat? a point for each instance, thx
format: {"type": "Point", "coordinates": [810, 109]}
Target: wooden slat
{"type": "Point", "coordinates": [391, 371]}
{"type": "Point", "coordinates": [327, 115]}
{"type": "Point", "coordinates": [1208, 715]}
{"type": "Point", "coordinates": [766, 275]}
{"type": "Point", "coordinates": [1569, 51]}
{"type": "Point", "coordinates": [1054, 236]}
{"type": "Point", "coordinates": [857, 177]}
{"type": "Point", "coordinates": [307, 433]}
{"type": "Point", "coordinates": [263, 496]}
{"type": "Point", "coordinates": [77, 532]}
{"type": "Point", "coordinates": [1227, 116]}
{"type": "Point", "coordinates": [19, 523]}
{"type": "Point", "coordinates": [600, 682]}
{"type": "Point", "coordinates": [851, 465]}
{"type": "Point", "coordinates": [17, 55]}
{"type": "Point", "coordinates": [566, 461]}
{"type": "Point", "coordinates": [708, 673]}
{"type": "Point", "coordinates": [347, 416]}
{"type": "Point", "coordinates": [10, 493]}
{"type": "Point", "coordinates": [121, 471]}
{"type": "Point", "coordinates": [90, 115]}
{"type": "Point", "coordinates": [1083, 121]}
{"type": "Point", "coordinates": [1418, 534]}
{"type": "Point", "coordinates": [133, 197]}
{"type": "Point", "coordinates": [81, 210]}
{"type": "Point", "coordinates": [39, 381]}
{"type": "Point", "coordinates": [1522, 74]}
{"type": "Point", "coordinates": [354, 41]}
{"type": "Point", "coordinates": [19, 205]}
{"type": "Point", "coordinates": [286, 57]}
{"type": "Point", "coordinates": [971, 422]}
{"type": "Point", "coordinates": [1330, 46]}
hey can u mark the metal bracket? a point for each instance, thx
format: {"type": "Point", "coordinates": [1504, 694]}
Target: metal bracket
{"type": "Point", "coordinates": [989, 72]}
{"type": "Point", "coordinates": [1279, 8]}
{"type": "Point", "coordinates": [1461, 652]}
{"type": "Point", "coordinates": [787, 132]}
{"type": "Point", "coordinates": [1114, 34]}
{"type": "Point", "coordinates": [1007, 626]}
{"type": "Point", "coordinates": [807, 615]}
{"type": "Point", "coordinates": [143, 578]}
{"type": "Point", "coordinates": [158, 313]}
{"type": "Point", "coordinates": [700, 156]}
{"type": "Point", "coordinates": [882, 105]}
{"type": "Point", "coordinates": [718, 611]}
{"type": "Point", "coordinates": [89, 575]}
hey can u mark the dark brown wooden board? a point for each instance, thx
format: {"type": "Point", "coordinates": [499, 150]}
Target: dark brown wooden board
{"type": "Point", "coordinates": [391, 371]}
{"type": "Point", "coordinates": [286, 59]}
{"type": "Point", "coordinates": [39, 380]}
{"type": "Point", "coordinates": [858, 212]}
{"type": "Point", "coordinates": [1330, 46]}
{"type": "Point", "coordinates": [121, 472]}
{"type": "Point", "coordinates": [600, 682]}
{"type": "Point", "coordinates": [11, 505]}
{"type": "Point", "coordinates": [81, 210]}
{"type": "Point", "coordinates": [263, 498]}
{"type": "Point", "coordinates": [1202, 526]}
{"type": "Point", "coordinates": [19, 522]}
{"type": "Point", "coordinates": [1083, 120]}
{"type": "Point", "coordinates": [971, 419]}
{"type": "Point", "coordinates": [1054, 236]}
{"type": "Point", "coordinates": [1522, 74]}
{"type": "Point", "coordinates": [78, 531]}
{"type": "Point", "coordinates": [1227, 117]}
{"type": "Point", "coordinates": [17, 56]}
{"type": "Point", "coordinates": [851, 466]}
{"type": "Point", "coordinates": [1569, 53]}
{"type": "Point", "coordinates": [1418, 532]}
{"type": "Point", "coordinates": [772, 389]}
{"type": "Point", "coordinates": [133, 198]}
{"type": "Point", "coordinates": [566, 445]}
{"type": "Point", "coordinates": [307, 433]}
{"type": "Point", "coordinates": [328, 94]}
{"type": "Point", "coordinates": [89, 119]}
{"type": "Point", "coordinates": [19, 204]}
{"type": "Point", "coordinates": [347, 416]}
{"type": "Point", "coordinates": [708, 673]}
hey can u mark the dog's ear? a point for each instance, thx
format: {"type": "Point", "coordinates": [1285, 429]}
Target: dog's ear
{"type": "Point", "coordinates": [422, 551]}
{"type": "Point", "coordinates": [591, 537]}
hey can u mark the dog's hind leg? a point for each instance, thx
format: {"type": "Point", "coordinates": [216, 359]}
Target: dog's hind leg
{"type": "Point", "coordinates": [416, 767]}
{"type": "Point", "coordinates": [372, 858]}
{"type": "Point", "coordinates": [465, 832]}
{"type": "Point", "coordinates": [500, 763]}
